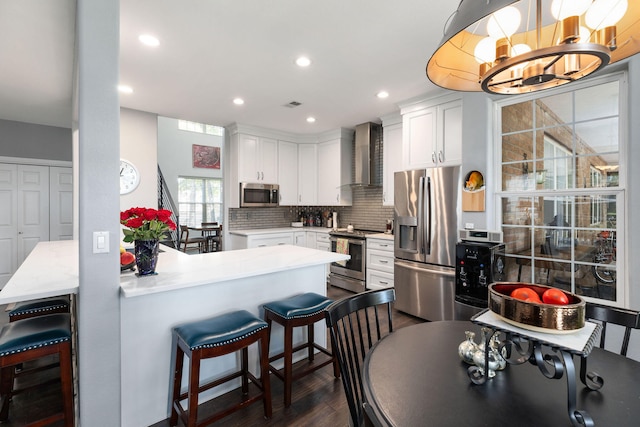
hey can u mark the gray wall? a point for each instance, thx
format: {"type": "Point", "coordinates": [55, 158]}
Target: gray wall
{"type": "Point", "coordinates": [28, 140]}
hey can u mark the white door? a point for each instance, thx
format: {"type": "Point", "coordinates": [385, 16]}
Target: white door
{"type": "Point", "coordinates": [8, 221]}
{"type": "Point", "coordinates": [33, 208]}
{"type": "Point", "coordinates": [61, 210]}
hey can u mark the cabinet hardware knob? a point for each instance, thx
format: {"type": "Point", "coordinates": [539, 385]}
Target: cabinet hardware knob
{"type": "Point", "coordinates": [433, 157]}
{"type": "Point", "coordinates": [440, 156]}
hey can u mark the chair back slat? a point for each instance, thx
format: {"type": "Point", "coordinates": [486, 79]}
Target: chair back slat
{"type": "Point", "coordinates": [629, 319]}
{"type": "Point", "coordinates": [355, 326]}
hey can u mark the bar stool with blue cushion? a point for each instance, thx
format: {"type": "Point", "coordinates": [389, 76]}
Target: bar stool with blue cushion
{"type": "Point", "coordinates": [299, 310]}
{"type": "Point", "coordinates": [30, 339]}
{"type": "Point", "coordinates": [217, 336]}
{"type": "Point", "coordinates": [42, 307]}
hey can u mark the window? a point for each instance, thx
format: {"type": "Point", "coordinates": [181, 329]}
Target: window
{"type": "Point", "coordinates": [200, 128]}
{"type": "Point", "coordinates": [199, 200]}
{"type": "Point", "coordinates": [562, 192]}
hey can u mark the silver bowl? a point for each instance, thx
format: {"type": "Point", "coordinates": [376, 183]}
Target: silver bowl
{"type": "Point", "coordinates": [531, 315]}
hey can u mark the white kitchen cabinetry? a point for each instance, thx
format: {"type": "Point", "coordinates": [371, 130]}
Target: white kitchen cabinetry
{"type": "Point", "coordinates": [307, 174]}
{"type": "Point", "coordinates": [288, 173]}
{"type": "Point", "coordinates": [432, 134]}
{"type": "Point", "coordinates": [392, 155]}
{"type": "Point", "coordinates": [334, 172]}
{"type": "Point", "coordinates": [379, 263]}
{"type": "Point", "coordinates": [262, 240]}
{"type": "Point", "coordinates": [300, 238]}
{"type": "Point", "coordinates": [258, 159]}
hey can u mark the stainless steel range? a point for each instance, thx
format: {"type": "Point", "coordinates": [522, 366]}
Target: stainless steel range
{"type": "Point", "coordinates": [351, 274]}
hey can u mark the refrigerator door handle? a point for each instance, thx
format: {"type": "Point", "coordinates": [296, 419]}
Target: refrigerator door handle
{"type": "Point", "coordinates": [447, 272]}
{"type": "Point", "coordinates": [425, 205]}
{"type": "Point", "coordinates": [421, 219]}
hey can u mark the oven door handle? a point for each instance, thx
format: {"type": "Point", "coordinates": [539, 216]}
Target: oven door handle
{"type": "Point", "coordinates": [351, 241]}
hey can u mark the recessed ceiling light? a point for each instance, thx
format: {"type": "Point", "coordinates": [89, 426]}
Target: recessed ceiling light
{"type": "Point", "coordinates": [125, 89]}
{"type": "Point", "coordinates": [149, 40]}
{"type": "Point", "coordinates": [303, 61]}
{"type": "Point", "coordinates": [382, 94]}
{"type": "Point", "coordinates": [311, 119]}
{"type": "Point", "coordinates": [238, 101]}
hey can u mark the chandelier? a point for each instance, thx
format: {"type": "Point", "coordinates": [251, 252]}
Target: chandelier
{"type": "Point", "coordinates": [512, 47]}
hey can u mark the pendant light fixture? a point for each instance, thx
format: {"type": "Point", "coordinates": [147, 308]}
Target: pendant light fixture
{"type": "Point", "coordinates": [512, 47]}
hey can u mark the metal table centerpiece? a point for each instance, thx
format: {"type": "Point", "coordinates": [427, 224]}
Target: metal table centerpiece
{"type": "Point", "coordinates": [551, 349]}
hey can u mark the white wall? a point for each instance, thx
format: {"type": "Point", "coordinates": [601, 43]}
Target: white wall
{"type": "Point", "coordinates": [174, 153]}
{"type": "Point", "coordinates": [138, 144]}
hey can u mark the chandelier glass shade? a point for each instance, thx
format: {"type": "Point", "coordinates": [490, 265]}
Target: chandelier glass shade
{"type": "Point", "coordinates": [520, 46]}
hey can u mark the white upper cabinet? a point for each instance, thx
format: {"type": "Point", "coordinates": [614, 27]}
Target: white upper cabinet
{"type": "Point", "coordinates": [432, 134]}
{"type": "Point", "coordinates": [288, 173]}
{"type": "Point", "coordinates": [307, 174]}
{"type": "Point", "coordinates": [392, 155]}
{"type": "Point", "coordinates": [334, 172]}
{"type": "Point", "coordinates": [258, 159]}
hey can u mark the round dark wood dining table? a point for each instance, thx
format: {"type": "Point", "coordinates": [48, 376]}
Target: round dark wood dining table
{"type": "Point", "coordinates": [414, 377]}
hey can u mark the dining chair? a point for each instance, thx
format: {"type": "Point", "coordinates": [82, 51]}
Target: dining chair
{"type": "Point", "coordinates": [629, 319]}
{"type": "Point", "coordinates": [185, 240]}
{"type": "Point", "coordinates": [214, 241]}
{"type": "Point", "coordinates": [355, 324]}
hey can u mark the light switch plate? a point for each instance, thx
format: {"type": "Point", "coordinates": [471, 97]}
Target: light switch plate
{"type": "Point", "coordinates": [100, 242]}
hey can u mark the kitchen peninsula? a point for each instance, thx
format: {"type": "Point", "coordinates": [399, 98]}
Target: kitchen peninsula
{"type": "Point", "coordinates": [187, 288]}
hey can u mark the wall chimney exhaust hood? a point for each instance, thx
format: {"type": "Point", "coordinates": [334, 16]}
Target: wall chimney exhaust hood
{"type": "Point", "coordinates": [368, 155]}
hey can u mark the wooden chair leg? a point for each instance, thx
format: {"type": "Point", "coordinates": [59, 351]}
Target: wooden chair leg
{"type": "Point", "coordinates": [6, 390]}
{"type": "Point", "coordinates": [66, 377]}
{"type": "Point", "coordinates": [177, 380]}
{"type": "Point", "coordinates": [194, 387]}
{"type": "Point", "coordinates": [310, 341]}
{"type": "Point", "coordinates": [264, 374]}
{"type": "Point", "coordinates": [245, 369]}
{"type": "Point", "coordinates": [288, 364]}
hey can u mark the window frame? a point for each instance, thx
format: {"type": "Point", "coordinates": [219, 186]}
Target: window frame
{"type": "Point", "coordinates": [600, 194]}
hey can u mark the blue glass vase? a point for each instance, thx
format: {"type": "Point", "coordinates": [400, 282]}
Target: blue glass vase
{"type": "Point", "coordinates": [146, 252]}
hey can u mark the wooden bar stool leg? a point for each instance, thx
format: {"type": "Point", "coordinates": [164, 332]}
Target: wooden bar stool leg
{"type": "Point", "coordinates": [245, 370]}
{"type": "Point", "coordinates": [6, 389]}
{"type": "Point", "coordinates": [310, 341]}
{"type": "Point", "coordinates": [264, 373]}
{"type": "Point", "coordinates": [288, 364]}
{"type": "Point", "coordinates": [194, 386]}
{"type": "Point", "coordinates": [177, 380]}
{"type": "Point", "coordinates": [66, 377]}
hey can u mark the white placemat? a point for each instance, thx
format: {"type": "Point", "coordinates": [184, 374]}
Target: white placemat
{"type": "Point", "coordinates": [581, 341]}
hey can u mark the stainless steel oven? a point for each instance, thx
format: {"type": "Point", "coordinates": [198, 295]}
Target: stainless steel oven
{"type": "Point", "coordinates": [350, 274]}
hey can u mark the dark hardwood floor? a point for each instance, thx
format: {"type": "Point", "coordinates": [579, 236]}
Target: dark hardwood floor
{"type": "Point", "coordinates": [318, 399]}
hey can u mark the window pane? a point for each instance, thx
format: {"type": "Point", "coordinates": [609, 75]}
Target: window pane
{"type": "Point", "coordinates": [597, 136]}
{"type": "Point", "coordinates": [517, 117]}
{"type": "Point", "coordinates": [597, 101]}
{"type": "Point", "coordinates": [554, 110]}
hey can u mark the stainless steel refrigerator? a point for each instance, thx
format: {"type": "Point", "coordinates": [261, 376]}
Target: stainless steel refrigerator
{"type": "Point", "coordinates": [426, 224]}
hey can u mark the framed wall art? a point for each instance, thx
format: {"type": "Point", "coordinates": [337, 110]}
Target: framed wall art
{"type": "Point", "coordinates": [206, 157]}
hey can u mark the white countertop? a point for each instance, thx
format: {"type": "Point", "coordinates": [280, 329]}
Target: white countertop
{"type": "Point", "coordinates": [51, 269]}
{"type": "Point", "coordinates": [177, 270]}
{"type": "Point", "coordinates": [258, 231]}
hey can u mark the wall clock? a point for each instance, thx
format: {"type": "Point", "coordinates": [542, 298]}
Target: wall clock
{"type": "Point", "coordinates": [129, 177]}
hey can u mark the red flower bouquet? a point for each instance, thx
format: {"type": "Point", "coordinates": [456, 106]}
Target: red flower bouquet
{"type": "Point", "coordinates": [146, 224]}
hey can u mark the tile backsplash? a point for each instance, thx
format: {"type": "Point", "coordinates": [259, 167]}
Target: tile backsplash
{"type": "Point", "coordinates": [366, 213]}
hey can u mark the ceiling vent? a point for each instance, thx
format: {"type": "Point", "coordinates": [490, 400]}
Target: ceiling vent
{"type": "Point", "coordinates": [293, 104]}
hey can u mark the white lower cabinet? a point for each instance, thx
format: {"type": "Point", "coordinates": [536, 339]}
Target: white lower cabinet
{"type": "Point", "coordinates": [262, 240]}
{"type": "Point", "coordinates": [379, 263]}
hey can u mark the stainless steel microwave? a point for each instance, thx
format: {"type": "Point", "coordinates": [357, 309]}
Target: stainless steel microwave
{"type": "Point", "coordinates": [259, 195]}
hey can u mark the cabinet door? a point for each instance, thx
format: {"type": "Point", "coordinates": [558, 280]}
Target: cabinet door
{"type": "Point", "coordinates": [248, 159]}
{"type": "Point", "coordinates": [288, 173]}
{"type": "Point", "coordinates": [299, 238]}
{"type": "Point", "coordinates": [269, 161]}
{"type": "Point", "coordinates": [307, 174]}
{"type": "Point", "coordinates": [419, 139]}
{"type": "Point", "coordinates": [328, 172]}
{"type": "Point", "coordinates": [450, 133]}
{"type": "Point", "coordinates": [391, 160]}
